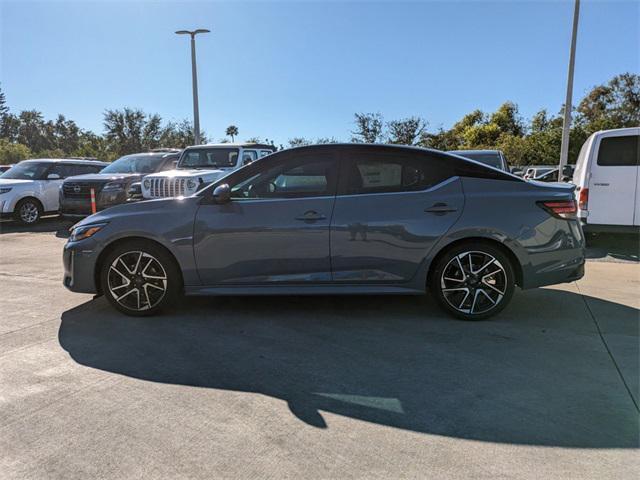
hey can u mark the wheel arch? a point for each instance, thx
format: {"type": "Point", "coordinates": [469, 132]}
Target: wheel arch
{"type": "Point", "coordinates": [122, 240]}
{"type": "Point", "coordinates": [513, 258]}
{"type": "Point", "coordinates": [28, 196]}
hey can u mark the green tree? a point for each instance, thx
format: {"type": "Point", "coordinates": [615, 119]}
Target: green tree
{"type": "Point", "coordinates": [615, 104]}
{"type": "Point", "coordinates": [12, 152]}
{"type": "Point", "coordinates": [232, 131]}
{"type": "Point", "coordinates": [368, 128]}
{"type": "Point", "coordinates": [406, 131]}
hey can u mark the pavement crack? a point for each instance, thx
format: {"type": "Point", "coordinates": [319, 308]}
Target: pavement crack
{"type": "Point", "coordinates": [606, 346]}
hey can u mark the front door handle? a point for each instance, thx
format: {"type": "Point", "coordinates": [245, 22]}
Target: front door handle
{"type": "Point", "coordinates": [440, 209]}
{"type": "Point", "coordinates": [311, 216]}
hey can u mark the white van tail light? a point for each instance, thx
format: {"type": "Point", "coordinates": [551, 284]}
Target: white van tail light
{"type": "Point", "coordinates": [560, 208]}
{"type": "Point", "coordinates": [583, 198]}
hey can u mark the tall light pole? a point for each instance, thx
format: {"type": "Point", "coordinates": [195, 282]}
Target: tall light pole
{"type": "Point", "coordinates": [194, 79]}
{"type": "Point", "coordinates": [566, 125]}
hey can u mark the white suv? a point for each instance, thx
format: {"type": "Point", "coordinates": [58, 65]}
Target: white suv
{"type": "Point", "coordinates": [30, 189]}
{"type": "Point", "coordinates": [201, 165]}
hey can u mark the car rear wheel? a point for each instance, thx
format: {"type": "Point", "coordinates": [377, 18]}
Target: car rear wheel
{"type": "Point", "coordinates": [473, 281]}
{"type": "Point", "coordinates": [28, 211]}
{"type": "Point", "coordinates": [140, 278]}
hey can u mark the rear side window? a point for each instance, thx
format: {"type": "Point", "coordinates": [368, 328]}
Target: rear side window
{"type": "Point", "coordinates": [619, 151]}
{"type": "Point", "coordinates": [392, 172]}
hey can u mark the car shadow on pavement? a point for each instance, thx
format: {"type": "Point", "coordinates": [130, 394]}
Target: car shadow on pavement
{"type": "Point", "coordinates": [620, 246]}
{"type": "Point", "coordinates": [522, 378]}
{"type": "Point", "coordinates": [48, 224]}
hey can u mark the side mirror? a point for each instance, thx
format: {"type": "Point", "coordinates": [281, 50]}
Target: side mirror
{"type": "Point", "coordinates": [222, 194]}
{"type": "Point", "coordinates": [53, 176]}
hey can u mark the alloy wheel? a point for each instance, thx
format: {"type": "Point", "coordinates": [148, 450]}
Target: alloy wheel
{"type": "Point", "coordinates": [137, 280]}
{"type": "Point", "coordinates": [29, 212]}
{"type": "Point", "coordinates": [473, 282]}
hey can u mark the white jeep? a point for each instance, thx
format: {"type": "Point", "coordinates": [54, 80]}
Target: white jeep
{"type": "Point", "coordinates": [201, 165]}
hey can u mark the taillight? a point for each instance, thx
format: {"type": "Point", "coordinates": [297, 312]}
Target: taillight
{"type": "Point", "coordinates": [583, 198]}
{"type": "Point", "coordinates": [560, 208]}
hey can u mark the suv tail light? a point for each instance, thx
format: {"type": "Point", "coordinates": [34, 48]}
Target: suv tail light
{"type": "Point", "coordinates": [560, 208]}
{"type": "Point", "coordinates": [583, 198]}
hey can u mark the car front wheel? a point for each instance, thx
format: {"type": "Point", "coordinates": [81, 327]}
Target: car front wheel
{"type": "Point", "coordinates": [473, 281]}
{"type": "Point", "coordinates": [28, 211]}
{"type": "Point", "coordinates": [140, 278]}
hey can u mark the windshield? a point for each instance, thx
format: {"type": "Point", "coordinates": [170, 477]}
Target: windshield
{"type": "Point", "coordinates": [209, 158]}
{"type": "Point", "coordinates": [491, 159]}
{"type": "Point", "coordinates": [27, 171]}
{"type": "Point", "coordinates": [135, 164]}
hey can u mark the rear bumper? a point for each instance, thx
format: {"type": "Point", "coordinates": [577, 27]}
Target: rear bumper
{"type": "Point", "coordinates": [595, 228]}
{"type": "Point", "coordinates": [559, 260]}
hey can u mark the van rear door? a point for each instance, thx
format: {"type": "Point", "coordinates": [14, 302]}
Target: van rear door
{"type": "Point", "coordinates": [613, 182]}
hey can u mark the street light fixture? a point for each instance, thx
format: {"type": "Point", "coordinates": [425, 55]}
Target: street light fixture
{"type": "Point", "coordinates": [194, 79]}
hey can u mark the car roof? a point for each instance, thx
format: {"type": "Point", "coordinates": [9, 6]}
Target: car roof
{"type": "Point", "coordinates": [233, 145]}
{"type": "Point", "coordinates": [498, 152]}
{"type": "Point", "coordinates": [66, 160]}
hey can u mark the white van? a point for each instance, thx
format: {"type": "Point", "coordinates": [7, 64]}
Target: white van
{"type": "Point", "coordinates": [608, 181]}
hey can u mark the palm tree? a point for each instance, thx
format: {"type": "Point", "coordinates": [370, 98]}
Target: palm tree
{"type": "Point", "coordinates": [232, 131]}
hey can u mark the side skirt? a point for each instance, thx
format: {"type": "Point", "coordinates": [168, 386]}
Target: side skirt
{"type": "Point", "coordinates": [302, 290]}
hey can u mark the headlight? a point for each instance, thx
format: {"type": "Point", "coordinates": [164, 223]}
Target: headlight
{"type": "Point", "coordinates": [191, 184]}
{"type": "Point", "coordinates": [147, 184]}
{"type": "Point", "coordinates": [113, 186]}
{"type": "Point", "coordinates": [5, 190]}
{"type": "Point", "coordinates": [85, 231]}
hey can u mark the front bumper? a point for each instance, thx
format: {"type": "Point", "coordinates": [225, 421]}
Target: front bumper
{"type": "Point", "coordinates": [81, 207]}
{"type": "Point", "coordinates": [79, 260]}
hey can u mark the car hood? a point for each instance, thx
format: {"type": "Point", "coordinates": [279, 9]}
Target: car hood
{"type": "Point", "coordinates": [165, 205]}
{"type": "Point", "coordinates": [10, 182]}
{"type": "Point", "coordinates": [104, 177]}
{"type": "Point", "coordinates": [192, 172]}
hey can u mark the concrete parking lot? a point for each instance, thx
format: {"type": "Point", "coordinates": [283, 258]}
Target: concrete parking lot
{"type": "Point", "coordinates": [317, 387]}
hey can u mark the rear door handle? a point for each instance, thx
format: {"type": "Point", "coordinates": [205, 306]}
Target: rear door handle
{"type": "Point", "coordinates": [440, 209]}
{"type": "Point", "coordinates": [311, 216]}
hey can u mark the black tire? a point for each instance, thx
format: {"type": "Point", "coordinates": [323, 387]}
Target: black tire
{"type": "Point", "coordinates": [140, 265]}
{"type": "Point", "coordinates": [469, 295]}
{"type": "Point", "coordinates": [28, 211]}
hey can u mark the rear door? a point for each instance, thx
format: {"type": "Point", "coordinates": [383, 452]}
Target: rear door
{"type": "Point", "coordinates": [614, 180]}
{"type": "Point", "coordinates": [392, 207]}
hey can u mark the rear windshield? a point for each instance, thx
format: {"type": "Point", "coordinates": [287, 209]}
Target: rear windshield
{"type": "Point", "coordinates": [619, 151]}
{"type": "Point", "coordinates": [491, 159]}
{"type": "Point", "coordinates": [209, 158]}
{"type": "Point", "coordinates": [135, 164]}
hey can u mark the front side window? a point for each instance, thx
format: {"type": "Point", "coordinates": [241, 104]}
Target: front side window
{"type": "Point", "coordinates": [619, 151]}
{"type": "Point", "coordinates": [27, 171]}
{"type": "Point", "coordinates": [209, 158]}
{"type": "Point", "coordinates": [306, 176]}
{"type": "Point", "coordinates": [249, 156]}
{"type": "Point", "coordinates": [380, 173]}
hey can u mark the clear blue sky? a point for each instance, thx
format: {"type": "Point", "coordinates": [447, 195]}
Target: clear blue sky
{"type": "Point", "coordinates": [284, 69]}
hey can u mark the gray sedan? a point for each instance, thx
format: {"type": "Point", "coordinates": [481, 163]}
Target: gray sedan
{"type": "Point", "coordinates": [336, 219]}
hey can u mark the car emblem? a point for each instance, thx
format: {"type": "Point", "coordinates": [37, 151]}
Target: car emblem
{"type": "Point", "coordinates": [77, 188]}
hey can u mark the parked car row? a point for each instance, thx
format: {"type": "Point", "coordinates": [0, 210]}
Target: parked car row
{"type": "Point", "coordinates": [77, 188]}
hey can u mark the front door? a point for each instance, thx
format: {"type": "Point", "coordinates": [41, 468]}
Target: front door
{"type": "Point", "coordinates": [613, 182]}
{"type": "Point", "coordinates": [390, 211]}
{"type": "Point", "coordinates": [275, 229]}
